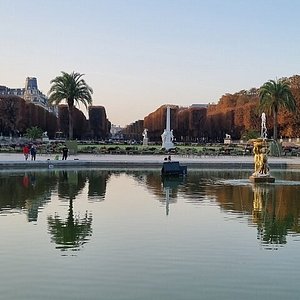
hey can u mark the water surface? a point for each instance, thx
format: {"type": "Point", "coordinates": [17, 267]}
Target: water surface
{"type": "Point", "coordinates": [131, 235]}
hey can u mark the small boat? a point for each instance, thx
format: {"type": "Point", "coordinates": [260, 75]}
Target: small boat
{"type": "Point", "coordinates": [173, 168]}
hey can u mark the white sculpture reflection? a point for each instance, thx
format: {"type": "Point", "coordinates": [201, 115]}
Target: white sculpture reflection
{"type": "Point", "coordinates": [170, 189]}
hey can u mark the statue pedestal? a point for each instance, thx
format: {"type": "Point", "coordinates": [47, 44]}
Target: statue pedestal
{"type": "Point", "coordinates": [168, 145]}
{"type": "Point", "coordinates": [262, 179]}
{"type": "Point", "coordinates": [45, 139]}
{"type": "Point", "coordinates": [145, 142]}
{"type": "Point", "coordinates": [227, 141]}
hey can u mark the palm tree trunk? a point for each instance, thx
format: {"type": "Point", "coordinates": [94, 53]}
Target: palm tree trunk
{"type": "Point", "coordinates": [70, 122]}
{"type": "Point", "coordinates": [275, 124]}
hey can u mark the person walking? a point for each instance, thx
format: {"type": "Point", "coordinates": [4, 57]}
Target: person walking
{"type": "Point", "coordinates": [65, 151]}
{"type": "Point", "coordinates": [33, 152]}
{"type": "Point", "coordinates": [26, 152]}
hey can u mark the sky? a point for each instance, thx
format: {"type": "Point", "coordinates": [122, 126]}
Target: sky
{"type": "Point", "coordinates": [138, 55]}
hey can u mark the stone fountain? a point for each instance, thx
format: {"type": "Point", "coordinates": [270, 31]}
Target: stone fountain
{"type": "Point", "coordinates": [261, 150]}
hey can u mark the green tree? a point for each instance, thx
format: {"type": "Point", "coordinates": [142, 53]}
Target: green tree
{"type": "Point", "coordinates": [250, 134]}
{"type": "Point", "coordinates": [73, 89]}
{"type": "Point", "coordinates": [273, 95]}
{"type": "Point", "coordinates": [34, 132]}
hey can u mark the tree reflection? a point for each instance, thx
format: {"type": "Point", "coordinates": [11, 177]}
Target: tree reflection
{"type": "Point", "coordinates": [97, 185]}
{"type": "Point", "coordinates": [273, 223]}
{"type": "Point", "coordinates": [72, 233]}
{"type": "Point", "coordinates": [70, 183]}
{"type": "Point", "coordinates": [26, 190]}
{"type": "Point", "coordinates": [273, 209]}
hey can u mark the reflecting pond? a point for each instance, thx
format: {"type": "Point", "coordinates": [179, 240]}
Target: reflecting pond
{"type": "Point", "coordinates": [108, 234]}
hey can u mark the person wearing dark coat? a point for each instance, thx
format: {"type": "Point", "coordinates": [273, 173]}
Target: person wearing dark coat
{"type": "Point", "coordinates": [33, 152]}
{"type": "Point", "coordinates": [65, 151]}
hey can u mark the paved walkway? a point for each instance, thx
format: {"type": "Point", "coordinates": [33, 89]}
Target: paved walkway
{"type": "Point", "coordinates": [16, 160]}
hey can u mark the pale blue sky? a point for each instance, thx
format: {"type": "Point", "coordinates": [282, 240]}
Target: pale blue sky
{"type": "Point", "coordinates": [138, 54]}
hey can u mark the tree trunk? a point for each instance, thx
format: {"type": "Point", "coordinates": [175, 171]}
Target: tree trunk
{"type": "Point", "coordinates": [71, 122]}
{"type": "Point", "coordinates": [275, 124]}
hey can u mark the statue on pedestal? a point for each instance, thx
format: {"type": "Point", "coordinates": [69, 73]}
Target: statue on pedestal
{"type": "Point", "coordinates": [227, 139]}
{"type": "Point", "coordinates": [145, 137]}
{"type": "Point", "coordinates": [45, 137]}
{"type": "Point", "coordinates": [167, 136]}
{"type": "Point", "coordinates": [261, 151]}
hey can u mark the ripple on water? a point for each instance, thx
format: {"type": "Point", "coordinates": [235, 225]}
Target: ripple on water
{"type": "Point", "coordinates": [246, 182]}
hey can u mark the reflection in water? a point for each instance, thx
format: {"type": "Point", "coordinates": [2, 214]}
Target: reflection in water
{"type": "Point", "coordinates": [21, 192]}
{"type": "Point", "coordinates": [70, 184]}
{"type": "Point", "coordinates": [273, 209]}
{"type": "Point", "coordinates": [75, 231]}
{"type": "Point", "coordinates": [263, 206]}
{"type": "Point", "coordinates": [117, 228]}
{"type": "Point", "coordinates": [72, 233]}
{"type": "Point", "coordinates": [97, 185]}
{"type": "Point", "coordinates": [170, 187]}
{"type": "Point", "coordinates": [271, 215]}
{"type": "Point", "coordinates": [28, 192]}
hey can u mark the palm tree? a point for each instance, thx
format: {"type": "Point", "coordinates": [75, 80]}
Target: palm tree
{"type": "Point", "coordinates": [71, 88]}
{"type": "Point", "coordinates": [273, 95]}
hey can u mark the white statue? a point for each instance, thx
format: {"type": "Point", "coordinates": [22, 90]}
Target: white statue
{"type": "Point", "coordinates": [45, 137]}
{"type": "Point", "coordinates": [263, 133]}
{"type": "Point", "coordinates": [263, 118]}
{"type": "Point", "coordinates": [145, 137]}
{"type": "Point", "coordinates": [145, 133]}
{"type": "Point", "coordinates": [227, 136]}
{"type": "Point", "coordinates": [167, 136]}
{"type": "Point", "coordinates": [164, 136]}
{"type": "Point", "coordinates": [171, 135]}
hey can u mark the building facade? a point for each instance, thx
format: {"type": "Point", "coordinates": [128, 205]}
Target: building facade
{"type": "Point", "coordinates": [30, 93]}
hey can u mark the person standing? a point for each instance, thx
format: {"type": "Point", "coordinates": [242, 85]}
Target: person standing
{"type": "Point", "coordinates": [33, 152]}
{"type": "Point", "coordinates": [65, 151]}
{"type": "Point", "coordinates": [26, 151]}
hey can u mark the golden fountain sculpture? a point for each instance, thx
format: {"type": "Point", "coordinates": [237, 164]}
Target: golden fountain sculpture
{"type": "Point", "coordinates": [261, 150]}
